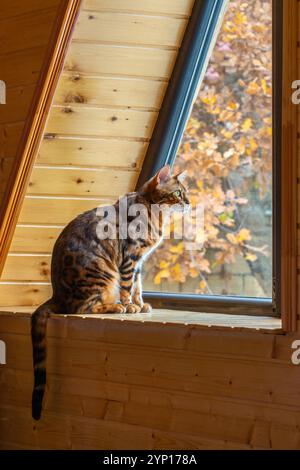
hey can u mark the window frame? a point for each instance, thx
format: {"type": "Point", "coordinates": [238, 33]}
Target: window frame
{"type": "Point", "coordinates": [198, 42]}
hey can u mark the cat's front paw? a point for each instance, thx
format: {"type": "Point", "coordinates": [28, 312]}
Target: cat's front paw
{"type": "Point", "coordinates": [133, 308]}
{"type": "Point", "coordinates": [146, 308]}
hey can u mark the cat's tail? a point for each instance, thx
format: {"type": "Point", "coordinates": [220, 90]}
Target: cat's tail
{"type": "Point", "coordinates": [39, 321]}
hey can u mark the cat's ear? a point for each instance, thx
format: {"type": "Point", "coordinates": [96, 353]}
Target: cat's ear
{"type": "Point", "coordinates": [163, 175]}
{"type": "Point", "coordinates": [182, 176]}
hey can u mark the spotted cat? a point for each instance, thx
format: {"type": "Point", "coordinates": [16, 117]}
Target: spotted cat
{"type": "Point", "coordinates": [92, 274]}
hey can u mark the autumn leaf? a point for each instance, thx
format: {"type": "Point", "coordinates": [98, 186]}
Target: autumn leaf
{"type": "Point", "coordinates": [243, 235]}
{"type": "Point", "coordinates": [247, 124]}
{"type": "Point", "coordinates": [202, 285]}
{"type": "Point", "coordinates": [251, 257]}
{"type": "Point", "coordinates": [178, 249]}
{"type": "Point", "coordinates": [161, 275]}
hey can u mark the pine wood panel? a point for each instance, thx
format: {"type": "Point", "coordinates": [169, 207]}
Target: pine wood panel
{"type": "Point", "coordinates": [56, 210]}
{"type": "Point", "coordinates": [20, 7]}
{"type": "Point", "coordinates": [132, 93]}
{"type": "Point", "coordinates": [172, 7]}
{"type": "Point", "coordinates": [107, 59]}
{"type": "Point", "coordinates": [27, 268]}
{"type": "Point", "coordinates": [132, 29]}
{"type": "Point", "coordinates": [92, 152]}
{"type": "Point", "coordinates": [5, 169]}
{"type": "Point", "coordinates": [158, 392]}
{"type": "Point", "coordinates": [19, 100]}
{"type": "Point", "coordinates": [22, 67]}
{"type": "Point", "coordinates": [87, 367]}
{"type": "Point", "coordinates": [24, 294]}
{"type": "Point", "coordinates": [81, 181]}
{"type": "Point", "coordinates": [99, 126]}
{"type": "Point", "coordinates": [24, 32]}
{"type": "Point", "coordinates": [9, 138]}
{"type": "Point", "coordinates": [84, 365]}
{"type": "Point", "coordinates": [87, 121]}
{"type": "Point", "coordinates": [34, 239]}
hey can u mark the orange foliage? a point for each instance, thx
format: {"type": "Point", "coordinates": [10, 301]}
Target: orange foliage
{"type": "Point", "coordinates": [227, 136]}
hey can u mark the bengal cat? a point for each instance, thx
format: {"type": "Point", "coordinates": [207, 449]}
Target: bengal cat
{"type": "Point", "coordinates": [94, 274]}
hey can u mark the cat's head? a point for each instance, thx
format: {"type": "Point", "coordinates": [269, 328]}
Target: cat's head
{"type": "Point", "coordinates": [167, 189]}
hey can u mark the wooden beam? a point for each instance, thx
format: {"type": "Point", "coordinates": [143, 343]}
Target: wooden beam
{"type": "Point", "coordinates": [35, 124]}
{"type": "Point", "coordinates": [288, 171]}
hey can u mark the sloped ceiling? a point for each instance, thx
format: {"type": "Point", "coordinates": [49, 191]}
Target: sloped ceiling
{"type": "Point", "coordinates": [105, 107]}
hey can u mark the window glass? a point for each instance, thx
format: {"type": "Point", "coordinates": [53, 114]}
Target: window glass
{"type": "Point", "coordinates": [227, 151]}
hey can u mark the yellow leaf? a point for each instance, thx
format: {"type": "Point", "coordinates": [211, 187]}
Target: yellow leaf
{"type": "Point", "coordinates": [264, 85]}
{"type": "Point", "coordinates": [163, 264]}
{"type": "Point", "coordinates": [243, 235]}
{"type": "Point", "coordinates": [253, 145]}
{"type": "Point", "coordinates": [178, 249]}
{"type": "Point", "coordinates": [253, 88]}
{"type": "Point", "coordinates": [251, 257]}
{"type": "Point", "coordinates": [234, 106]}
{"type": "Point", "coordinates": [193, 272]}
{"type": "Point", "coordinates": [247, 124]}
{"type": "Point", "coordinates": [202, 285]}
{"type": "Point", "coordinates": [240, 18]}
{"type": "Point", "coordinates": [159, 276]}
{"type": "Point", "coordinates": [209, 99]}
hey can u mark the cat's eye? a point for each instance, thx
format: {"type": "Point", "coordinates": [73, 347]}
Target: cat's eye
{"type": "Point", "coordinates": [177, 193]}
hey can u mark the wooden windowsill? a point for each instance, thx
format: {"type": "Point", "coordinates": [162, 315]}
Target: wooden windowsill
{"type": "Point", "coordinates": [176, 317]}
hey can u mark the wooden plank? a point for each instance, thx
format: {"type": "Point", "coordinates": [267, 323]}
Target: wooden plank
{"type": "Point", "coordinates": [90, 433]}
{"type": "Point", "coordinates": [5, 170]}
{"type": "Point", "coordinates": [267, 382]}
{"type": "Point", "coordinates": [27, 268]}
{"type": "Point", "coordinates": [51, 433]}
{"type": "Point", "coordinates": [169, 7]}
{"type": "Point", "coordinates": [10, 135]}
{"type": "Point", "coordinates": [5, 445]}
{"type": "Point", "coordinates": [92, 152]}
{"type": "Point", "coordinates": [24, 294]}
{"type": "Point", "coordinates": [19, 7]}
{"type": "Point", "coordinates": [23, 32]}
{"type": "Point", "coordinates": [190, 422]}
{"type": "Point", "coordinates": [103, 59]}
{"type": "Point", "coordinates": [16, 386]}
{"type": "Point", "coordinates": [81, 182]}
{"type": "Point", "coordinates": [34, 239]}
{"type": "Point", "coordinates": [288, 180]}
{"type": "Point", "coordinates": [131, 93]}
{"type": "Point", "coordinates": [19, 100]}
{"type": "Point", "coordinates": [65, 20]}
{"type": "Point", "coordinates": [56, 211]}
{"type": "Point", "coordinates": [22, 68]}
{"type": "Point", "coordinates": [103, 122]}
{"type": "Point", "coordinates": [131, 29]}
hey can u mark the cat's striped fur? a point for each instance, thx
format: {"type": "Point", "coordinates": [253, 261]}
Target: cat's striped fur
{"type": "Point", "coordinates": [97, 276]}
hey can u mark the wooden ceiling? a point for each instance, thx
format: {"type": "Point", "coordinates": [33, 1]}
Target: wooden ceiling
{"type": "Point", "coordinates": [104, 110]}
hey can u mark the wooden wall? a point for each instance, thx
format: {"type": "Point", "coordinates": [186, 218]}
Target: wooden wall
{"type": "Point", "coordinates": [108, 98]}
{"type": "Point", "coordinates": [25, 28]}
{"type": "Point", "coordinates": [134, 385]}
